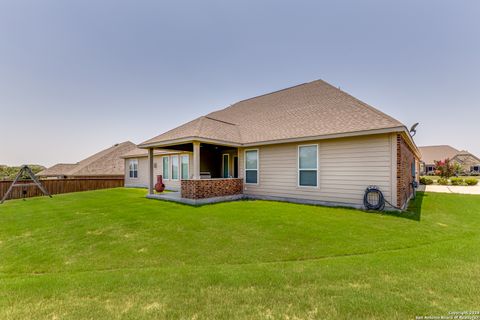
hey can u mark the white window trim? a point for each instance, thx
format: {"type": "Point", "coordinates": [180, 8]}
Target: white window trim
{"type": "Point", "coordinates": [245, 167]}
{"type": "Point", "coordinates": [163, 169]}
{"type": "Point", "coordinates": [228, 163]}
{"type": "Point", "coordinates": [188, 166]}
{"type": "Point", "coordinates": [298, 166]}
{"type": "Point", "coordinates": [178, 167]}
{"type": "Point", "coordinates": [132, 161]}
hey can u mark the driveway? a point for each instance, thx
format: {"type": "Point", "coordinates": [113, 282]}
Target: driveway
{"type": "Point", "coordinates": [451, 189]}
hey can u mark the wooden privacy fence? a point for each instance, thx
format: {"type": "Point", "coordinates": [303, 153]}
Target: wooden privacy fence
{"type": "Point", "coordinates": [57, 186]}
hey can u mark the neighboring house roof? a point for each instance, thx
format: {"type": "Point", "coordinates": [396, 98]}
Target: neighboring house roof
{"type": "Point", "coordinates": [57, 170]}
{"type": "Point", "coordinates": [142, 153]}
{"type": "Point", "coordinates": [314, 109]}
{"type": "Point", "coordinates": [430, 154]}
{"type": "Point", "coordinates": [104, 163]}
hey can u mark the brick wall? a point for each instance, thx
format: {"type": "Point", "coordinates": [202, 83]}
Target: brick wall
{"type": "Point", "coordinates": [405, 158]}
{"type": "Point", "coordinates": [209, 188]}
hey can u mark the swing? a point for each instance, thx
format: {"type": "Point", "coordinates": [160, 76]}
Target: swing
{"type": "Point", "coordinates": [15, 184]}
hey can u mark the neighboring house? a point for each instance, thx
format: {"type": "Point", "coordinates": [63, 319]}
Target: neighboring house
{"type": "Point", "coordinates": [469, 162]}
{"type": "Point", "coordinates": [104, 164]}
{"type": "Point", "coordinates": [311, 143]}
{"type": "Point", "coordinates": [172, 165]}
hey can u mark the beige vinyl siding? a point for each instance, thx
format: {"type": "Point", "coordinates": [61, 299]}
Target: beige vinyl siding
{"type": "Point", "coordinates": [142, 180]}
{"type": "Point", "coordinates": [345, 168]}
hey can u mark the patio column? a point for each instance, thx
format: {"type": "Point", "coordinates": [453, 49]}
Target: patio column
{"type": "Point", "coordinates": [150, 171]}
{"type": "Point", "coordinates": [196, 160]}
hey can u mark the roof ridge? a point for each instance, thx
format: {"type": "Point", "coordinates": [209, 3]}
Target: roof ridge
{"type": "Point", "coordinates": [371, 108]}
{"type": "Point", "coordinates": [230, 123]}
{"type": "Point", "coordinates": [273, 92]}
{"type": "Point", "coordinates": [438, 145]}
{"type": "Point", "coordinates": [199, 126]}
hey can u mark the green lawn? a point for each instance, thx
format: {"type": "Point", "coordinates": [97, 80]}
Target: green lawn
{"type": "Point", "coordinates": [113, 254]}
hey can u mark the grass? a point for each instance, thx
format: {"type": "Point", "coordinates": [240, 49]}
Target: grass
{"type": "Point", "coordinates": [113, 254]}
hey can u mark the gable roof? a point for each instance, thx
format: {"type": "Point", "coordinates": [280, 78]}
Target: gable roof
{"type": "Point", "coordinates": [104, 163]}
{"type": "Point", "coordinates": [430, 154]}
{"type": "Point", "coordinates": [308, 110]}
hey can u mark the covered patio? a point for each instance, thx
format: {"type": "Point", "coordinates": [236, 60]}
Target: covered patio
{"type": "Point", "coordinates": [213, 173]}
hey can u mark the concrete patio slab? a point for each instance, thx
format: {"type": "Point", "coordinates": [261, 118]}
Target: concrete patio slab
{"type": "Point", "coordinates": [176, 197]}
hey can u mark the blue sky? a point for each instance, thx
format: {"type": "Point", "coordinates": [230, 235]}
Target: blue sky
{"type": "Point", "coordinates": [79, 76]}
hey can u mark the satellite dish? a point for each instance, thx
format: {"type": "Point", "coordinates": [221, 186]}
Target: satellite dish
{"type": "Point", "coordinates": [413, 129]}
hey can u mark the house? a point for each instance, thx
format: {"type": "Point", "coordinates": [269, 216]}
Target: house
{"type": "Point", "coordinates": [470, 163]}
{"type": "Point", "coordinates": [311, 143]}
{"type": "Point", "coordinates": [107, 163]}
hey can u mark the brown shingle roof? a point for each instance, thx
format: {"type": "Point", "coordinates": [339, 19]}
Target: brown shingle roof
{"type": "Point", "coordinates": [430, 154]}
{"type": "Point", "coordinates": [57, 170]}
{"type": "Point", "coordinates": [104, 163]}
{"type": "Point", "coordinates": [141, 153]}
{"type": "Point", "coordinates": [307, 110]}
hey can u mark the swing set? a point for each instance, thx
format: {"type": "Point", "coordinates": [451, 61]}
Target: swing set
{"type": "Point", "coordinates": [16, 184]}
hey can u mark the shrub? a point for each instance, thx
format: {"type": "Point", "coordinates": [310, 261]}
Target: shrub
{"type": "Point", "coordinates": [426, 181]}
{"type": "Point", "coordinates": [445, 168]}
{"type": "Point", "coordinates": [471, 182]}
{"type": "Point", "coordinates": [443, 181]}
{"type": "Point", "coordinates": [456, 181]}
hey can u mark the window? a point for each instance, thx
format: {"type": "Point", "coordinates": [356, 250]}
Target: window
{"type": "Point", "coordinates": [174, 167]}
{"type": "Point", "coordinates": [133, 169]}
{"type": "Point", "coordinates": [226, 166]}
{"type": "Point", "coordinates": [184, 160]}
{"type": "Point", "coordinates": [251, 166]}
{"type": "Point", "coordinates": [166, 166]}
{"type": "Point", "coordinates": [307, 166]}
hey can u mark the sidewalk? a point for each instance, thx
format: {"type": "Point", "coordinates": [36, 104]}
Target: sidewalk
{"type": "Point", "coordinates": [451, 189]}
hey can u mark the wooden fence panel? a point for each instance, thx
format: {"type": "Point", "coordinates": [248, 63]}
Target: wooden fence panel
{"type": "Point", "coordinates": [57, 186]}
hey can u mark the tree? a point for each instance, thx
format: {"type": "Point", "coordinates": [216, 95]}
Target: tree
{"type": "Point", "coordinates": [445, 168]}
{"type": "Point", "coordinates": [9, 173]}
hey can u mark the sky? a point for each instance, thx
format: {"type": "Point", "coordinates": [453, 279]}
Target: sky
{"type": "Point", "coordinates": [79, 76]}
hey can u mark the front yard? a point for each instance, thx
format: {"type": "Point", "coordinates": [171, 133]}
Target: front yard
{"type": "Point", "coordinates": [114, 254]}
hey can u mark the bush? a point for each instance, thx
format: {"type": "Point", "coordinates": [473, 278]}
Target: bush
{"type": "Point", "coordinates": [456, 181]}
{"type": "Point", "coordinates": [443, 181]}
{"type": "Point", "coordinates": [426, 181]}
{"type": "Point", "coordinates": [445, 168]}
{"type": "Point", "coordinates": [471, 182]}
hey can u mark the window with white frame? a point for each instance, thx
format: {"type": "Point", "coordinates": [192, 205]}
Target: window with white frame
{"type": "Point", "coordinates": [133, 169]}
{"type": "Point", "coordinates": [184, 161]}
{"type": "Point", "coordinates": [308, 166]}
{"type": "Point", "coordinates": [166, 168]}
{"type": "Point", "coordinates": [251, 166]}
{"type": "Point", "coordinates": [174, 167]}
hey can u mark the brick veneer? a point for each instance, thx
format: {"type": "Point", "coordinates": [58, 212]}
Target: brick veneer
{"type": "Point", "coordinates": [405, 158]}
{"type": "Point", "coordinates": [209, 188]}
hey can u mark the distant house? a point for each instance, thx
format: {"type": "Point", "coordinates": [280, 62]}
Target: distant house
{"type": "Point", "coordinates": [311, 143]}
{"type": "Point", "coordinates": [469, 162]}
{"type": "Point", "coordinates": [106, 163]}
